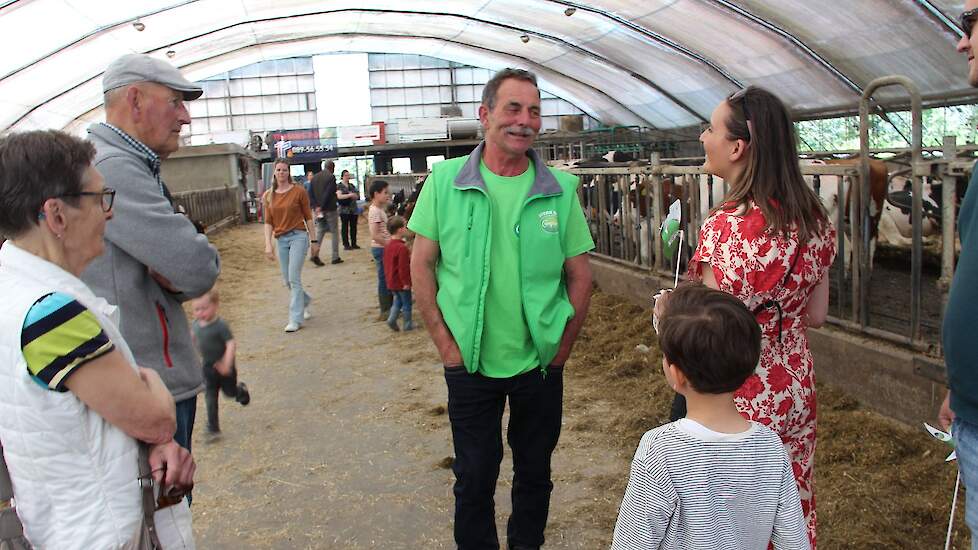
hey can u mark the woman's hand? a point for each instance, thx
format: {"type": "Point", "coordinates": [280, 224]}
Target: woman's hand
{"type": "Point", "coordinates": [268, 252]}
{"type": "Point", "coordinates": [172, 466]}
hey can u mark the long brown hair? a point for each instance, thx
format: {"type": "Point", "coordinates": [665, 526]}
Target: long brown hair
{"type": "Point", "coordinates": [773, 179]}
{"type": "Point", "coordinates": [270, 194]}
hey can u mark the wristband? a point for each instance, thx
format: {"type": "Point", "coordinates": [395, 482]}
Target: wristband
{"type": "Point", "coordinates": [314, 241]}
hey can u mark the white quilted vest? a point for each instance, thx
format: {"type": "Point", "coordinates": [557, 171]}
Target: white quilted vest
{"type": "Point", "coordinates": [74, 474]}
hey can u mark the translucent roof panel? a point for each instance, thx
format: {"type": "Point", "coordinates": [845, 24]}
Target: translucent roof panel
{"type": "Point", "coordinates": [659, 63]}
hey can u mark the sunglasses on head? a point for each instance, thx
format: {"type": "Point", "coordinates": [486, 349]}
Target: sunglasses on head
{"type": "Point", "coordinates": [968, 21]}
{"type": "Point", "coordinates": [740, 96]}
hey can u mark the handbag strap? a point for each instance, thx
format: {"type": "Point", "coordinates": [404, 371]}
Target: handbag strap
{"type": "Point", "coordinates": [10, 526]}
{"type": "Point", "coordinates": [146, 484]}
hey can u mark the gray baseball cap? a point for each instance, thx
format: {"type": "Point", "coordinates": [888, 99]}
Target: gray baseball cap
{"type": "Point", "coordinates": [136, 67]}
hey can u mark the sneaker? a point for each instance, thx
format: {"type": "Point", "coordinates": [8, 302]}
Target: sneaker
{"type": "Point", "coordinates": [291, 327]}
{"type": "Point", "coordinates": [337, 261]}
{"type": "Point", "coordinates": [244, 397]}
{"type": "Point", "coordinates": [305, 313]}
{"type": "Point", "coordinates": [317, 261]}
{"type": "Point", "coordinates": [393, 324]}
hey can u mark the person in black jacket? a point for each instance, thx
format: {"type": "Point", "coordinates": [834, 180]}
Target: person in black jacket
{"type": "Point", "coordinates": [324, 207]}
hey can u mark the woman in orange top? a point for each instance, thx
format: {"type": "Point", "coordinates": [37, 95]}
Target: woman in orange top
{"type": "Point", "coordinates": [288, 218]}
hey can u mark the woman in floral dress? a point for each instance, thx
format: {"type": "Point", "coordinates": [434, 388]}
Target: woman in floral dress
{"type": "Point", "coordinates": [770, 243]}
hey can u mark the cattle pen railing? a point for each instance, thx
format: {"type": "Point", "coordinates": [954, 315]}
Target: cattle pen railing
{"type": "Point", "coordinates": [626, 206]}
{"type": "Point", "coordinates": [211, 207]}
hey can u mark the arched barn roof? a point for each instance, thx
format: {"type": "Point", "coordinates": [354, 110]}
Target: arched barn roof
{"type": "Point", "coordinates": [658, 63]}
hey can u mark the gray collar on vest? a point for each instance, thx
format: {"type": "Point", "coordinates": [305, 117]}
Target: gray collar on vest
{"type": "Point", "coordinates": [544, 183]}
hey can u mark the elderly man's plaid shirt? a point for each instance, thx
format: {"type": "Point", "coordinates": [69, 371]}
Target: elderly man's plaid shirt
{"type": "Point", "coordinates": [152, 159]}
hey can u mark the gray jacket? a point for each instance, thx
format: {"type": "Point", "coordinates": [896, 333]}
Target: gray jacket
{"type": "Point", "coordinates": [145, 234]}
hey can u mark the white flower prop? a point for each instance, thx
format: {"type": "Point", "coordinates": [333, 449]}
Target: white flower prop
{"type": "Point", "coordinates": [946, 437]}
{"type": "Point", "coordinates": [942, 436]}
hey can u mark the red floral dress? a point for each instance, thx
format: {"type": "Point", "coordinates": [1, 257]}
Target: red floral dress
{"type": "Point", "coordinates": [752, 264]}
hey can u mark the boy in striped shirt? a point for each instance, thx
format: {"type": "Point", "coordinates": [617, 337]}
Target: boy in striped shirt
{"type": "Point", "coordinates": [713, 479]}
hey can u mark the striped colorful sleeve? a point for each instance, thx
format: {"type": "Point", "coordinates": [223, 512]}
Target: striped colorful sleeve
{"type": "Point", "coordinates": [60, 335]}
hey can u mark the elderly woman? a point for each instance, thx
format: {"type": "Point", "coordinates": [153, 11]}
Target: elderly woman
{"type": "Point", "coordinates": [74, 408]}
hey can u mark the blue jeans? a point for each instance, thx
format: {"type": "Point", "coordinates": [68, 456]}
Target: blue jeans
{"type": "Point", "coordinates": [966, 444]}
{"type": "Point", "coordinates": [402, 304]}
{"type": "Point", "coordinates": [292, 248]}
{"type": "Point", "coordinates": [186, 413]}
{"type": "Point", "coordinates": [378, 254]}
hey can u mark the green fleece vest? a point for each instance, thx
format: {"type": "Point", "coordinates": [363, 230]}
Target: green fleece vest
{"type": "Point", "coordinates": [462, 229]}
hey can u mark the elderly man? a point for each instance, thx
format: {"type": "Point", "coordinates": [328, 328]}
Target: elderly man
{"type": "Point", "coordinates": [960, 352]}
{"type": "Point", "coordinates": [501, 242]}
{"type": "Point", "coordinates": [154, 258]}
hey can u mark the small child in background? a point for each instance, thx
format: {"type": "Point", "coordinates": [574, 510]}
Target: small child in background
{"type": "Point", "coordinates": [712, 479]}
{"type": "Point", "coordinates": [397, 271]}
{"type": "Point", "coordinates": [216, 345]}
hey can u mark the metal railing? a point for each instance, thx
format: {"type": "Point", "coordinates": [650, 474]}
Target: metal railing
{"type": "Point", "coordinates": [625, 208]}
{"type": "Point", "coordinates": [210, 206]}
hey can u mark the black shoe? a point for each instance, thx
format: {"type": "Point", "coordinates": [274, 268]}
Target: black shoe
{"type": "Point", "coordinates": [355, 247]}
{"type": "Point", "coordinates": [347, 247]}
{"type": "Point", "coordinates": [337, 261]}
{"type": "Point", "coordinates": [244, 397]}
{"type": "Point", "coordinates": [317, 261]}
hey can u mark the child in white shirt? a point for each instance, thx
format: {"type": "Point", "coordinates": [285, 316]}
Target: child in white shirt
{"type": "Point", "coordinates": [713, 479]}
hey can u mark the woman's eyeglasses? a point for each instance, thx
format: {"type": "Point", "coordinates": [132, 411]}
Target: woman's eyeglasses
{"type": "Point", "coordinates": [107, 196]}
{"type": "Point", "coordinates": [968, 19]}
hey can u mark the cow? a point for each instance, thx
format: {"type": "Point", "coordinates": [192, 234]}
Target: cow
{"type": "Point", "coordinates": [828, 192]}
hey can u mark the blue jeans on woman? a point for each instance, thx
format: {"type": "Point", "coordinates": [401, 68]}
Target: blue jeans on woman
{"type": "Point", "coordinates": [292, 248]}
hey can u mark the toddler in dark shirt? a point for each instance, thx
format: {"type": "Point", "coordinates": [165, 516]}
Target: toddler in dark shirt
{"type": "Point", "coordinates": [216, 345]}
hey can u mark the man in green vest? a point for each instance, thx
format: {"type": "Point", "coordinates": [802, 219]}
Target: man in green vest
{"type": "Point", "coordinates": [503, 284]}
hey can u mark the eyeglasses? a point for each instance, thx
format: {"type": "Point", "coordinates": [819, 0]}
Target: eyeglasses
{"type": "Point", "coordinates": [741, 97]}
{"type": "Point", "coordinates": [107, 196]}
{"type": "Point", "coordinates": [968, 19]}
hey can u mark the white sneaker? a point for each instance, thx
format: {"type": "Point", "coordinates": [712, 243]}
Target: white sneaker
{"type": "Point", "coordinates": [291, 327]}
{"type": "Point", "coordinates": [305, 314]}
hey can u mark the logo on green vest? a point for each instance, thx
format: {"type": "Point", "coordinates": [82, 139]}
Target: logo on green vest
{"type": "Point", "coordinates": [548, 221]}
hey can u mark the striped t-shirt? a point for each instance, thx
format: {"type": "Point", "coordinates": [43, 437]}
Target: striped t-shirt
{"type": "Point", "coordinates": [695, 489]}
{"type": "Point", "coordinates": [60, 335]}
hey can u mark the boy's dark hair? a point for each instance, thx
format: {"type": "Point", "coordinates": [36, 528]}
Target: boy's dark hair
{"type": "Point", "coordinates": [710, 336]}
{"type": "Point", "coordinates": [376, 187]}
{"type": "Point", "coordinates": [34, 167]}
{"type": "Point", "coordinates": [394, 224]}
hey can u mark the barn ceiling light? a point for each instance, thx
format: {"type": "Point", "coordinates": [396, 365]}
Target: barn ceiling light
{"type": "Point", "coordinates": [139, 25]}
{"type": "Point", "coordinates": [171, 53]}
{"type": "Point", "coordinates": [570, 11]}
{"type": "Point", "coordinates": [525, 38]}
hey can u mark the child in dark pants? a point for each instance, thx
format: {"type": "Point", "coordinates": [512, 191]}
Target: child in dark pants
{"type": "Point", "coordinates": [217, 347]}
{"type": "Point", "coordinates": [397, 271]}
